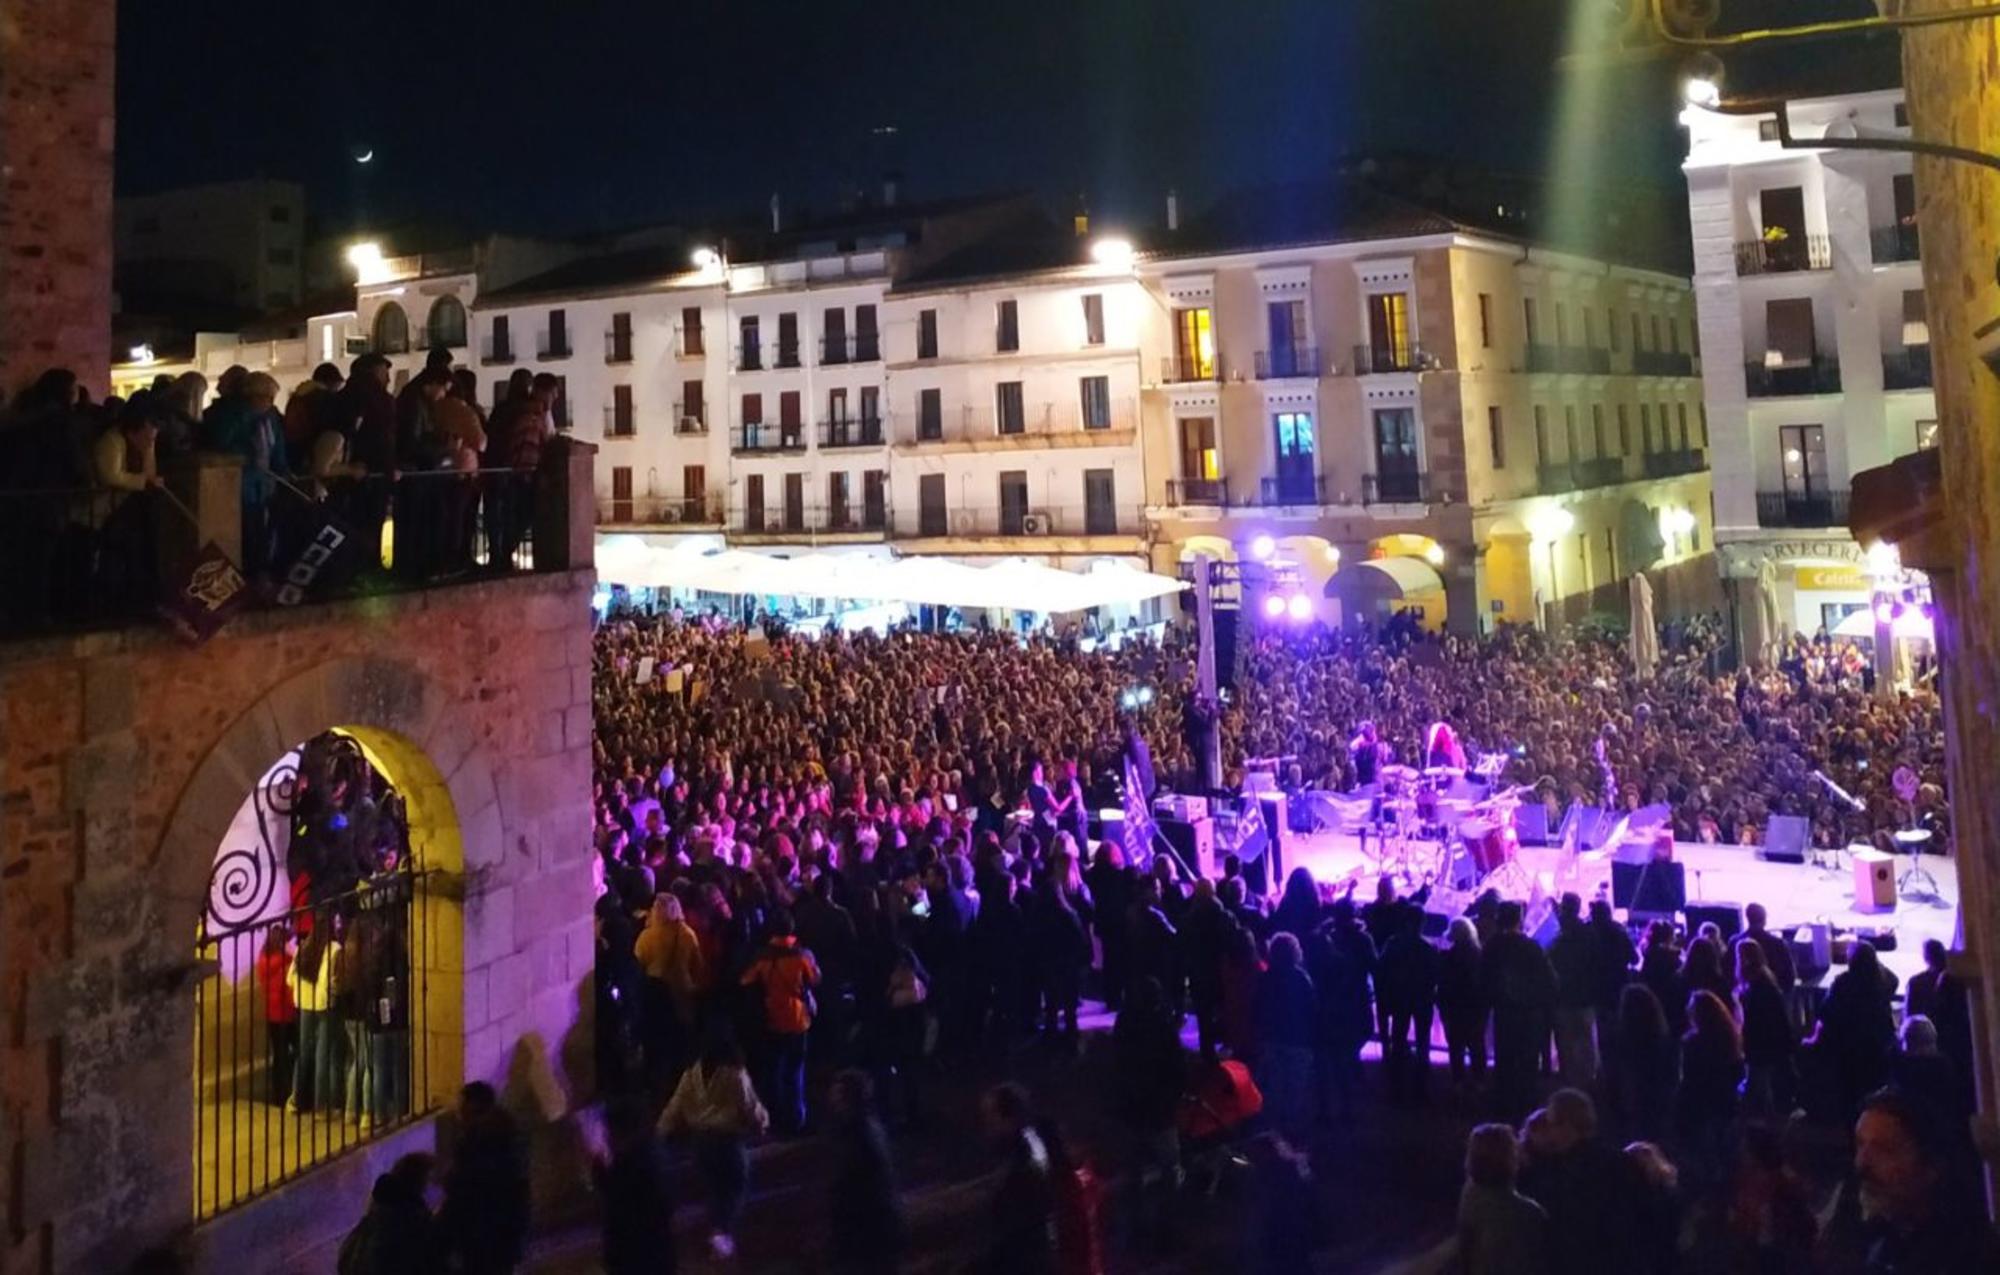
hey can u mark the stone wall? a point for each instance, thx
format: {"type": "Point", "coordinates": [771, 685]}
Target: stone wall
{"type": "Point", "coordinates": [122, 759]}
{"type": "Point", "coordinates": [1952, 75]}
{"type": "Point", "coordinates": [56, 90]}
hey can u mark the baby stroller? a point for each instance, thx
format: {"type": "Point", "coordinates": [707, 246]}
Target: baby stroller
{"type": "Point", "coordinates": [1221, 1101]}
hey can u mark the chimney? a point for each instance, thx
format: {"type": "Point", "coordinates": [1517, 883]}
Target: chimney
{"type": "Point", "coordinates": [1173, 209]}
{"type": "Point", "coordinates": [774, 212]}
{"type": "Point", "coordinates": [890, 181]}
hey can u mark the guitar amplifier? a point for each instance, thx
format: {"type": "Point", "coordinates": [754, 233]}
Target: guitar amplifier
{"type": "Point", "coordinates": [1180, 805]}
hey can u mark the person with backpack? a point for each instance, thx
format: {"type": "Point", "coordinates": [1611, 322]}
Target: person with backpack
{"type": "Point", "coordinates": [715, 1105]}
{"type": "Point", "coordinates": [786, 974]}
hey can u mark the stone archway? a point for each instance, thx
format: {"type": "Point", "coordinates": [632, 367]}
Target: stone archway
{"type": "Point", "coordinates": [396, 717]}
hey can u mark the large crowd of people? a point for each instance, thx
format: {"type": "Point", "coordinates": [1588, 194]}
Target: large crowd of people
{"type": "Point", "coordinates": [846, 865]}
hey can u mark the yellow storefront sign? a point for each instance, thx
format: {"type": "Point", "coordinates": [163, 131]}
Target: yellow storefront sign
{"type": "Point", "coordinates": [1834, 579]}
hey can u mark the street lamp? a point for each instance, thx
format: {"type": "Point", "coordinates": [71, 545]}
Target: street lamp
{"type": "Point", "coordinates": [705, 258]}
{"type": "Point", "coordinates": [1548, 526]}
{"type": "Point", "coordinates": [1114, 252]}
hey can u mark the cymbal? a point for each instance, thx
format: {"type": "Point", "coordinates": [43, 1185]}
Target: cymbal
{"type": "Point", "coordinates": [1441, 772]}
{"type": "Point", "coordinates": [1912, 836]}
{"type": "Point", "coordinates": [1396, 770]}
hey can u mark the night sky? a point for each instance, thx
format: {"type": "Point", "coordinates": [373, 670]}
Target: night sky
{"type": "Point", "coordinates": [589, 114]}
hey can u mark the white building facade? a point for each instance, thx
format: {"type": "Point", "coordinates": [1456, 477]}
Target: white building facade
{"type": "Point", "coordinates": [1811, 306]}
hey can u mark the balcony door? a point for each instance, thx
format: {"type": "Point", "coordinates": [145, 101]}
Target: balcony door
{"type": "Point", "coordinates": [795, 502]}
{"type": "Point", "coordinates": [836, 500]}
{"type": "Point", "coordinates": [1287, 320]}
{"type": "Point", "coordinates": [930, 505]}
{"type": "Point", "coordinates": [1389, 331]}
{"type": "Point", "coordinates": [791, 428]}
{"type": "Point", "coordinates": [1201, 460]}
{"type": "Point", "coordinates": [1013, 500]}
{"type": "Point", "coordinates": [1396, 468]}
{"type": "Point", "coordinates": [1783, 214]}
{"type": "Point", "coordinates": [1789, 339]}
{"type": "Point", "coordinates": [1802, 458]}
{"type": "Point", "coordinates": [1100, 502]}
{"type": "Point", "coordinates": [1297, 471]}
{"type": "Point", "coordinates": [1194, 344]}
{"type": "Point", "coordinates": [837, 425]}
{"type": "Point", "coordinates": [694, 493]}
{"type": "Point", "coordinates": [621, 494]}
{"type": "Point", "coordinates": [875, 499]}
{"type": "Point", "coordinates": [753, 502]}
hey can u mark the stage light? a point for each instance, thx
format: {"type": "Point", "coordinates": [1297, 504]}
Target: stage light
{"type": "Point", "coordinates": [1884, 613]}
{"type": "Point", "coordinates": [1300, 607]}
{"type": "Point", "coordinates": [1263, 547]}
{"type": "Point", "coordinates": [1112, 251]}
{"type": "Point", "coordinates": [1274, 606]}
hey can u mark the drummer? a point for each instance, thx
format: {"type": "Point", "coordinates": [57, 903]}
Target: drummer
{"type": "Point", "coordinates": [1441, 748]}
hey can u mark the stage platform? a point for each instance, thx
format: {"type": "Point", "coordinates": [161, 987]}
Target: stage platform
{"type": "Point", "coordinates": [1793, 894]}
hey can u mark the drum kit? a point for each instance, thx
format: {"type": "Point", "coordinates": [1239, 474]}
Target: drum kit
{"type": "Point", "coordinates": [1425, 830]}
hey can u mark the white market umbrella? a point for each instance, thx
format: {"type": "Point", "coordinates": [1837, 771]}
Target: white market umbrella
{"type": "Point", "coordinates": [1645, 638]}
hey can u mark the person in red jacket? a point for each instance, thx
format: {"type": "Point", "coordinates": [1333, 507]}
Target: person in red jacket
{"type": "Point", "coordinates": [786, 973]}
{"type": "Point", "coordinates": [281, 1014]}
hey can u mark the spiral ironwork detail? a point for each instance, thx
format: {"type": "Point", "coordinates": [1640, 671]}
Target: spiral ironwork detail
{"type": "Point", "coordinates": [244, 881]}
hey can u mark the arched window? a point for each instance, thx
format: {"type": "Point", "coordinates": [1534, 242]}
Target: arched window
{"type": "Point", "coordinates": [446, 325]}
{"type": "Point", "coordinates": [392, 330]}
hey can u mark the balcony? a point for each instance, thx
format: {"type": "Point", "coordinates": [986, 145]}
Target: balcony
{"type": "Point", "coordinates": [690, 423]}
{"type": "Point", "coordinates": [689, 343]}
{"type": "Point", "coordinates": [863, 431]}
{"type": "Point", "coordinates": [496, 352]}
{"type": "Point", "coordinates": [1280, 490]}
{"type": "Point", "coordinates": [781, 519]}
{"type": "Point", "coordinates": [766, 438]}
{"type": "Point", "coordinates": [1812, 508]}
{"type": "Point", "coordinates": [1008, 521]}
{"type": "Point", "coordinates": [1894, 243]}
{"type": "Point", "coordinates": [1184, 492]}
{"type": "Point", "coordinates": [618, 346]}
{"type": "Point", "coordinates": [1783, 256]}
{"type": "Point", "coordinates": [657, 511]}
{"type": "Point", "coordinates": [749, 357]}
{"type": "Point", "coordinates": [87, 560]}
{"type": "Point", "coordinates": [1821, 376]}
{"type": "Point", "coordinates": [1907, 369]}
{"type": "Point", "coordinates": [1383, 359]}
{"type": "Point", "coordinates": [1300, 361]}
{"type": "Point", "coordinates": [1182, 369]}
{"type": "Point", "coordinates": [1673, 464]}
{"type": "Point", "coordinates": [972, 425]}
{"type": "Point", "coordinates": [1662, 363]}
{"type": "Point", "coordinates": [1568, 358]}
{"type": "Point", "coordinates": [619, 424]}
{"type": "Point", "coordinates": [786, 355]}
{"type": "Point", "coordinates": [1413, 487]}
{"type": "Point", "coordinates": [555, 346]}
{"type": "Point", "coordinates": [860, 347]}
{"type": "Point", "coordinates": [1579, 475]}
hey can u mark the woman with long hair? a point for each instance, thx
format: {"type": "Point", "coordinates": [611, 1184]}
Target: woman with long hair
{"type": "Point", "coordinates": [1767, 1033]}
{"type": "Point", "coordinates": [1711, 1070]}
{"type": "Point", "coordinates": [670, 957]}
{"type": "Point", "coordinates": [1461, 1002]}
{"type": "Point", "coordinates": [1643, 1060]}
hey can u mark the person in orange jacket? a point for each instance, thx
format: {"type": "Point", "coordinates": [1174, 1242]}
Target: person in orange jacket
{"type": "Point", "coordinates": [787, 973]}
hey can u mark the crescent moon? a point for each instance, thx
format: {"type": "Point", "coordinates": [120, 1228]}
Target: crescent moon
{"type": "Point", "coordinates": [364, 157]}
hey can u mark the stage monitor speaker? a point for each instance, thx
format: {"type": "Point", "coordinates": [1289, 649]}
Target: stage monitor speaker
{"type": "Point", "coordinates": [1657, 888]}
{"type": "Point", "coordinates": [1785, 840]}
{"type": "Point", "coordinates": [1194, 839]}
{"type": "Point", "coordinates": [1531, 823]}
{"type": "Point", "coordinates": [1728, 917]}
{"type": "Point", "coordinates": [1874, 880]}
{"type": "Point", "coordinates": [1812, 950]}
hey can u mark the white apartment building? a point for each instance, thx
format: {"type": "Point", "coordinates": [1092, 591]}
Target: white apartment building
{"type": "Point", "coordinates": [806, 398]}
{"type": "Point", "coordinates": [1813, 326]}
{"type": "Point", "coordinates": [238, 243]}
{"type": "Point", "coordinates": [637, 342]}
{"type": "Point", "coordinates": [1015, 409]}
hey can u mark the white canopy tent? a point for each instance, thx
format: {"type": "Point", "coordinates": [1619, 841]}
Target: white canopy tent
{"type": "Point", "coordinates": [1012, 584]}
